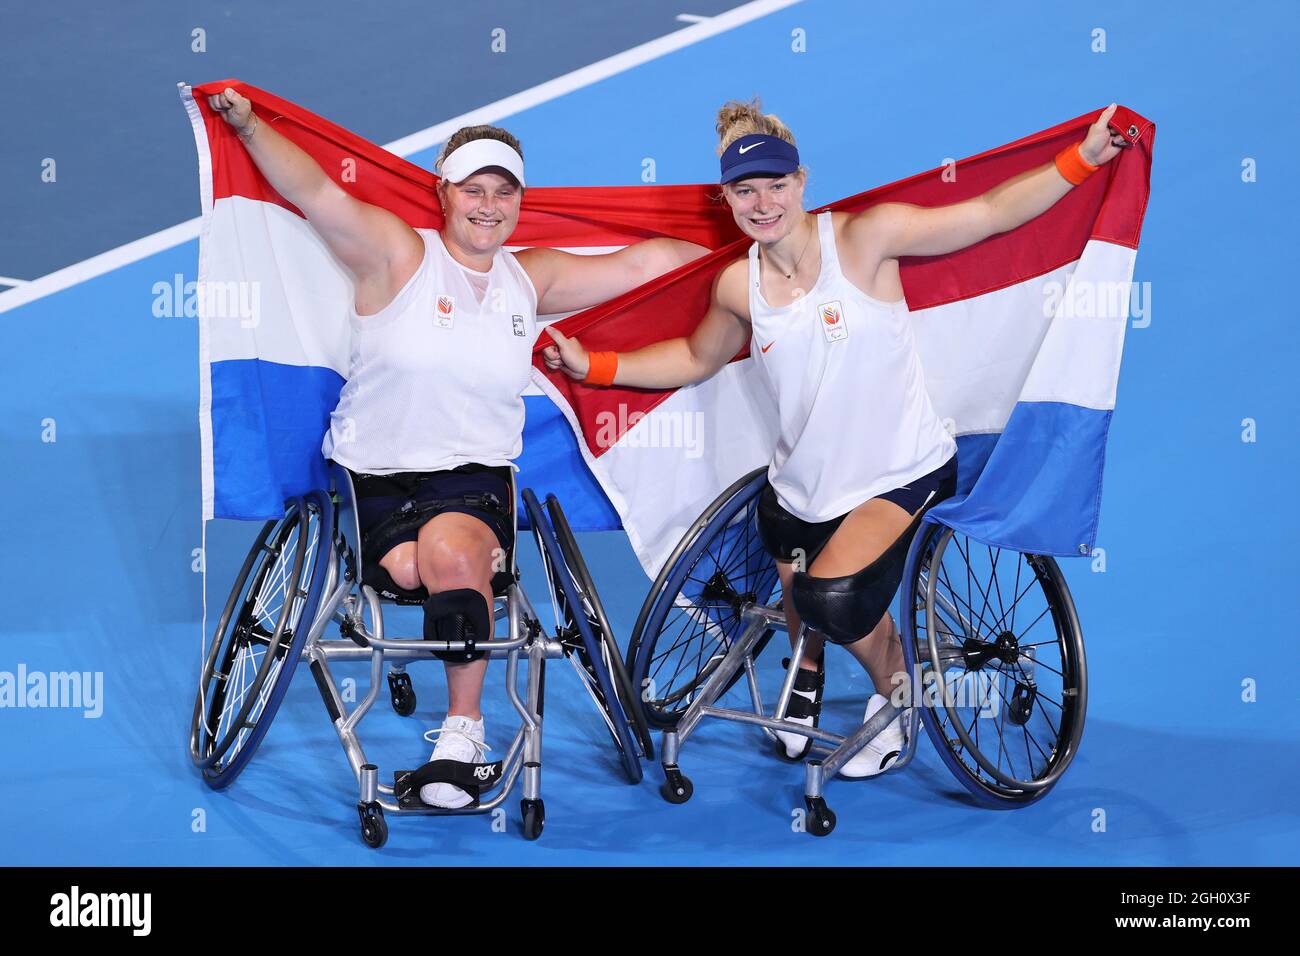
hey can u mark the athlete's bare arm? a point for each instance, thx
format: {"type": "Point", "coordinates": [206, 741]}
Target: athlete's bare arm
{"type": "Point", "coordinates": [891, 230]}
{"type": "Point", "coordinates": [678, 361]}
{"type": "Point", "coordinates": [380, 250]}
{"type": "Point", "coordinates": [566, 282]}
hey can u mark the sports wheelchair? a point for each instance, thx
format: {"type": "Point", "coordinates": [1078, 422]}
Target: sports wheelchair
{"type": "Point", "coordinates": [991, 640]}
{"type": "Point", "coordinates": [303, 574]}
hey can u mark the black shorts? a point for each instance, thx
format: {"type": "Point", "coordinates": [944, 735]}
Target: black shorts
{"type": "Point", "coordinates": [783, 533]}
{"type": "Point", "coordinates": [381, 498]}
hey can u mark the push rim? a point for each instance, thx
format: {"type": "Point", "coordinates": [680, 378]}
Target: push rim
{"type": "Point", "coordinates": [1001, 628]}
{"type": "Point", "coordinates": [599, 622]}
{"type": "Point", "coordinates": [244, 675]}
{"type": "Point", "coordinates": [694, 610]}
{"type": "Point", "coordinates": [576, 633]}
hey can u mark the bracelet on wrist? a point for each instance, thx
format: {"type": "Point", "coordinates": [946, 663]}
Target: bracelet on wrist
{"type": "Point", "coordinates": [246, 133]}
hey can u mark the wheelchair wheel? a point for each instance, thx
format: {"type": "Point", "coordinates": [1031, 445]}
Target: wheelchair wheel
{"type": "Point", "coordinates": [583, 629]}
{"type": "Point", "coordinates": [993, 640]}
{"type": "Point", "coordinates": [612, 657]}
{"type": "Point", "coordinates": [693, 611]}
{"type": "Point", "coordinates": [258, 640]}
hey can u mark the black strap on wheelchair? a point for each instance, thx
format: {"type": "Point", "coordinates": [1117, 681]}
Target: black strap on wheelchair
{"type": "Point", "coordinates": [813, 682]}
{"type": "Point", "coordinates": [473, 778]}
{"type": "Point", "coordinates": [412, 514]}
{"type": "Point", "coordinates": [801, 706]}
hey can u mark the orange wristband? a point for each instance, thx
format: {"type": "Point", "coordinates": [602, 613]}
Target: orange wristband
{"type": "Point", "coordinates": [1073, 166]}
{"type": "Point", "coordinates": [603, 367]}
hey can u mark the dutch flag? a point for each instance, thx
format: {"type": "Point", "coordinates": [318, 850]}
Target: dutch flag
{"type": "Point", "coordinates": [1020, 338]}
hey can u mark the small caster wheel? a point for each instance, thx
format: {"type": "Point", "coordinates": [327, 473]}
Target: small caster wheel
{"type": "Point", "coordinates": [1021, 706]}
{"type": "Point", "coordinates": [374, 828]}
{"type": "Point", "coordinates": [821, 818]}
{"type": "Point", "coordinates": [534, 818]}
{"type": "Point", "coordinates": [676, 788]}
{"type": "Point", "coordinates": [401, 693]}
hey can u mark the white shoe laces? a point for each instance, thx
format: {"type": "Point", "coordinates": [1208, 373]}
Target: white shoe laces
{"type": "Point", "coordinates": [480, 748]}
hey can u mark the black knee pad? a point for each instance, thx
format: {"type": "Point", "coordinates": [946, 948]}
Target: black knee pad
{"type": "Point", "coordinates": [848, 608]}
{"type": "Point", "coordinates": [378, 578]}
{"type": "Point", "coordinates": [458, 615]}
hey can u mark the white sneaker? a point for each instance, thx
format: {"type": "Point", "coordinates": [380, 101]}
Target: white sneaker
{"type": "Point", "coordinates": [882, 750]}
{"type": "Point", "coordinates": [805, 708]}
{"type": "Point", "coordinates": [460, 739]}
{"type": "Point", "coordinates": [796, 747]}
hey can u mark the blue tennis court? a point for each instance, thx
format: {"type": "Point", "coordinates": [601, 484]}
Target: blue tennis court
{"type": "Point", "coordinates": [1191, 754]}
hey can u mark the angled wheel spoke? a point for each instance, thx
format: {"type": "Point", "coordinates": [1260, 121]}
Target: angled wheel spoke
{"type": "Point", "coordinates": [244, 669]}
{"type": "Point", "coordinates": [1006, 708]}
{"type": "Point", "coordinates": [694, 612]}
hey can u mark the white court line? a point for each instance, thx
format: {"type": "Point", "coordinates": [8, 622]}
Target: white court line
{"type": "Point", "coordinates": [552, 89]}
{"type": "Point", "coordinates": [5, 280]}
{"type": "Point", "coordinates": [692, 18]}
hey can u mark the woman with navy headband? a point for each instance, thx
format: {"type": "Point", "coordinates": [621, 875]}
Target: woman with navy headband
{"type": "Point", "coordinates": [860, 451]}
{"type": "Point", "coordinates": [443, 326]}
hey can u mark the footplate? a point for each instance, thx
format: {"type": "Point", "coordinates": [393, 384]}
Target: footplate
{"type": "Point", "coordinates": [474, 778]}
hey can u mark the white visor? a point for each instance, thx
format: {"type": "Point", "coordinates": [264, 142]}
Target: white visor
{"type": "Point", "coordinates": [466, 160]}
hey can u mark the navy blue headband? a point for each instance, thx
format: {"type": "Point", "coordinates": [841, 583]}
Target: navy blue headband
{"type": "Point", "coordinates": [758, 154]}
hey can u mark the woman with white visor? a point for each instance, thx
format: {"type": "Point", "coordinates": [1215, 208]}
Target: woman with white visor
{"type": "Point", "coordinates": [443, 326]}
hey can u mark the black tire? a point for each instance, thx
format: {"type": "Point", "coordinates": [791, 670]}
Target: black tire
{"type": "Point", "coordinates": [677, 787]}
{"type": "Point", "coordinates": [374, 828]}
{"type": "Point", "coordinates": [613, 655]}
{"type": "Point", "coordinates": [693, 609]}
{"type": "Point", "coordinates": [820, 819]}
{"type": "Point", "coordinates": [401, 693]}
{"type": "Point", "coordinates": [534, 818]}
{"type": "Point", "coordinates": [1023, 656]}
{"type": "Point", "coordinates": [582, 631]}
{"type": "Point", "coordinates": [259, 638]}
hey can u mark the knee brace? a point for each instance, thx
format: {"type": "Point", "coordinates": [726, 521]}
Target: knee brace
{"type": "Point", "coordinates": [378, 578]}
{"type": "Point", "coordinates": [848, 608]}
{"type": "Point", "coordinates": [458, 615]}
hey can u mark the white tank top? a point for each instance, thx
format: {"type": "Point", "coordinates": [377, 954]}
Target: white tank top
{"type": "Point", "coordinates": [855, 416]}
{"type": "Point", "coordinates": [436, 377]}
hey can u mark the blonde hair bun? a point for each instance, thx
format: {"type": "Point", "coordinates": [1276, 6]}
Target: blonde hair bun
{"type": "Point", "coordinates": [737, 119]}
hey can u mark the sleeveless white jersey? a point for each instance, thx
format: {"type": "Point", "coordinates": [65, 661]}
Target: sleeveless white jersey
{"type": "Point", "coordinates": [855, 416]}
{"type": "Point", "coordinates": [435, 378]}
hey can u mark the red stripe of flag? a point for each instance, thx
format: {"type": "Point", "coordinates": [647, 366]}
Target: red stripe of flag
{"type": "Point", "coordinates": [1107, 206]}
{"type": "Point", "coordinates": [550, 216]}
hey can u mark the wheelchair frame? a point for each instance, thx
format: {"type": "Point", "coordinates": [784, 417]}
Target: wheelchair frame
{"type": "Point", "coordinates": [525, 637]}
{"type": "Point", "coordinates": [337, 594]}
{"type": "Point", "coordinates": [955, 639]}
{"type": "Point", "coordinates": [837, 748]}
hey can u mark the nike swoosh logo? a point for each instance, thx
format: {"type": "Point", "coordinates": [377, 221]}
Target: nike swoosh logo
{"type": "Point", "coordinates": [745, 149]}
{"type": "Point", "coordinates": [768, 346]}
